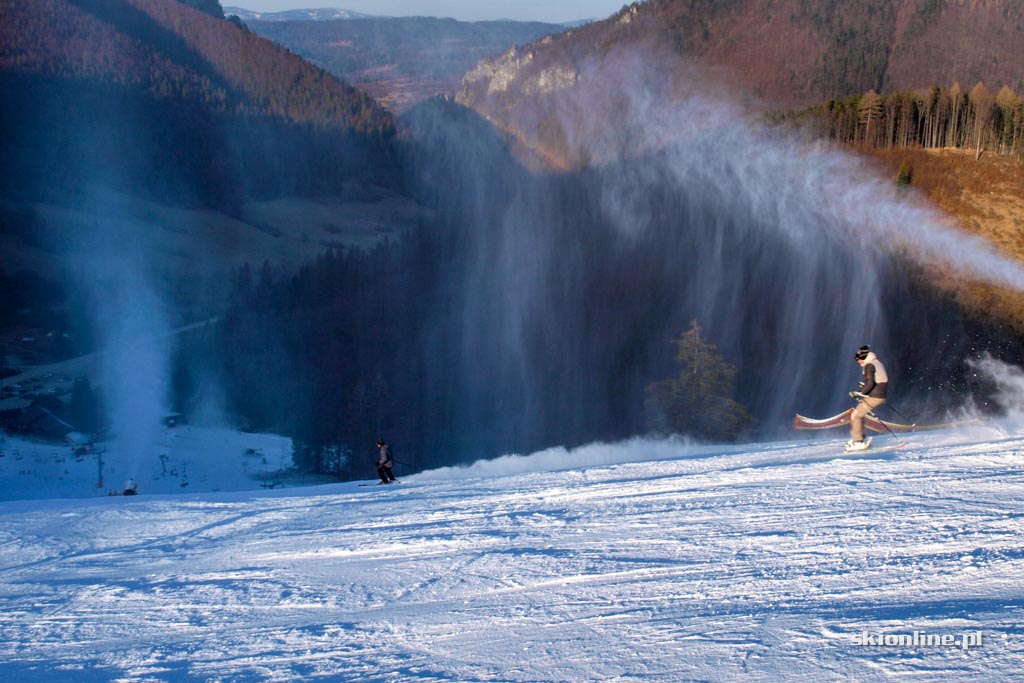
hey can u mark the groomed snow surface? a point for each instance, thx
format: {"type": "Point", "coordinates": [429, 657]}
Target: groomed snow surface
{"type": "Point", "coordinates": [642, 561]}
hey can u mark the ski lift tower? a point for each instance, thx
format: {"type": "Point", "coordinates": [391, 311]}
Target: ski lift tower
{"type": "Point", "coordinates": [99, 467]}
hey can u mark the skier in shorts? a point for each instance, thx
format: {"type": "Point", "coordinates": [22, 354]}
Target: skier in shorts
{"type": "Point", "coordinates": [869, 395]}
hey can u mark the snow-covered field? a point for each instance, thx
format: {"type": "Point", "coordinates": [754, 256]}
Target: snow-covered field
{"type": "Point", "coordinates": [641, 561]}
{"type": "Point", "coordinates": [183, 459]}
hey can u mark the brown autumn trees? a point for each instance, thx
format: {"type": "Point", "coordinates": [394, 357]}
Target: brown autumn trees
{"type": "Point", "coordinates": [952, 117]}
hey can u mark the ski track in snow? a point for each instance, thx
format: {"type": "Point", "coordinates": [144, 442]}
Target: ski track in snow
{"type": "Point", "coordinates": [718, 565]}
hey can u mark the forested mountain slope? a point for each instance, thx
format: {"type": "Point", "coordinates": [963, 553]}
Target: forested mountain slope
{"type": "Point", "coordinates": [156, 97]}
{"type": "Point", "coordinates": [787, 53]}
{"type": "Point", "coordinates": [170, 50]}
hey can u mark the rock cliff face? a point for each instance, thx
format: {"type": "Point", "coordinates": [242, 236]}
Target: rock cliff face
{"type": "Point", "coordinates": [511, 70]}
{"type": "Point", "coordinates": [550, 79]}
{"type": "Point", "coordinates": [496, 74]}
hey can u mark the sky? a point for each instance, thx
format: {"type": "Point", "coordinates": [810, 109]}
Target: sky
{"type": "Point", "coordinates": [555, 11]}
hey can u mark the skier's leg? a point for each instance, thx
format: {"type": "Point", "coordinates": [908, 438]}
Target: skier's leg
{"type": "Point", "coordinates": [864, 406]}
{"type": "Point", "coordinates": [857, 421]}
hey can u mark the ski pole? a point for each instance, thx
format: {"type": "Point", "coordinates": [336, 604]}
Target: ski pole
{"type": "Point", "coordinates": [872, 414]}
{"type": "Point", "coordinates": [898, 439]}
{"type": "Point", "coordinates": [893, 409]}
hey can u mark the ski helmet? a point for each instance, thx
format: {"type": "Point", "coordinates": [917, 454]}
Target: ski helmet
{"type": "Point", "coordinates": [862, 352]}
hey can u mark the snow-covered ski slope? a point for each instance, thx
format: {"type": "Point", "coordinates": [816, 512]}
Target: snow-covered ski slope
{"type": "Point", "coordinates": [184, 458]}
{"type": "Point", "coordinates": [641, 561]}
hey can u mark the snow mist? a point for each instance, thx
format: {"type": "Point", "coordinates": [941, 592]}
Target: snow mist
{"type": "Point", "coordinates": [684, 206]}
{"type": "Point", "coordinates": [717, 148]}
{"type": "Point", "coordinates": [132, 333]}
{"type": "Point", "coordinates": [1008, 381]}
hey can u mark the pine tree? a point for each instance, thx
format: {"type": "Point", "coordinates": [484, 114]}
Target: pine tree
{"type": "Point", "coordinates": [698, 402]}
{"type": "Point", "coordinates": [903, 177]}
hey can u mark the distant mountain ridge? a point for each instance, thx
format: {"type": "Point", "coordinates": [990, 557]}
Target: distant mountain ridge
{"type": "Point", "coordinates": [400, 60]}
{"type": "Point", "coordinates": [318, 14]}
{"type": "Point", "coordinates": [211, 7]}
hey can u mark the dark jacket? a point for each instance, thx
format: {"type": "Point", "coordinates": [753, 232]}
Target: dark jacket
{"type": "Point", "coordinates": [385, 456]}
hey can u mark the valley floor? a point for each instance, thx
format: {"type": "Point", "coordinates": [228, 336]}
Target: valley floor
{"type": "Point", "coordinates": [643, 561]}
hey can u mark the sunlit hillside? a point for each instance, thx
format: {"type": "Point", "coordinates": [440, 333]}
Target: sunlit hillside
{"type": "Point", "coordinates": [985, 196]}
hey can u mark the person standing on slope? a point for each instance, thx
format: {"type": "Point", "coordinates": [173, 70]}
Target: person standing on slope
{"type": "Point", "coordinates": [384, 463]}
{"type": "Point", "coordinates": [870, 395]}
